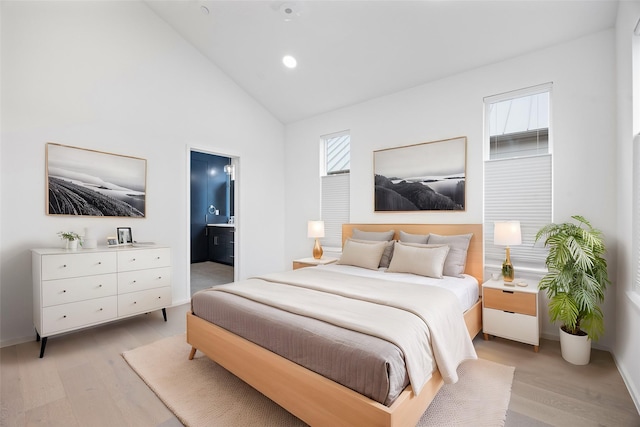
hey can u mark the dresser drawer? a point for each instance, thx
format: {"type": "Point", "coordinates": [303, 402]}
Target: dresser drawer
{"type": "Point", "coordinates": [144, 301]}
{"type": "Point", "coordinates": [63, 291]}
{"type": "Point", "coordinates": [516, 302]}
{"type": "Point", "coordinates": [514, 326]}
{"type": "Point", "coordinates": [132, 281]}
{"type": "Point", "coordinates": [143, 259]}
{"type": "Point", "coordinates": [60, 318]}
{"type": "Point", "coordinates": [62, 266]}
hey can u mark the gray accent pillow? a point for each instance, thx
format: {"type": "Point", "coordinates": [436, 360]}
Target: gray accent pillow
{"type": "Point", "coordinates": [365, 255]}
{"type": "Point", "coordinates": [373, 235]}
{"type": "Point", "coordinates": [457, 258]}
{"type": "Point", "coordinates": [413, 238]}
{"type": "Point", "coordinates": [386, 255]}
{"type": "Point", "coordinates": [424, 260]}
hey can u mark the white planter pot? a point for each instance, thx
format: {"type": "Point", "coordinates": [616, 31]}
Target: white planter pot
{"type": "Point", "coordinates": [576, 349]}
{"type": "Point", "coordinates": [72, 245]}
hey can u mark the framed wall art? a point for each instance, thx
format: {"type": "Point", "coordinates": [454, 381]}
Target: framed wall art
{"type": "Point", "coordinates": [124, 235]}
{"type": "Point", "coordinates": [94, 183]}
{"type": "Point", "coordinates": [421, 177]}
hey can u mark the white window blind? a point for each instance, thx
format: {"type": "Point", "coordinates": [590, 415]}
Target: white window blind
{"type": "Point", "coordinates": [518, 189]}
{"type": "Point", "coordinates": [335, 208]}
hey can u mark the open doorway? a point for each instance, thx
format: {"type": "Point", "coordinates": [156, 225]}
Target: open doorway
{"type": "Point", "coordinates": [212, 220]}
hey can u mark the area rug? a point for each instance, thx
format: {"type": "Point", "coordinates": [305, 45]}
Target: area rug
{"type": "Point", "coordinates": [202, 393]}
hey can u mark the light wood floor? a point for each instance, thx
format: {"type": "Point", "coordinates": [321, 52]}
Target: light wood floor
{"type": "Point", "coordinates": [83, 381]}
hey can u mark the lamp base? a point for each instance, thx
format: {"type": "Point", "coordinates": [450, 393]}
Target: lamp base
{"type": "Point", "coordinates": [508, 273]}
{"type": "Point", "coordinates": [317, 250]}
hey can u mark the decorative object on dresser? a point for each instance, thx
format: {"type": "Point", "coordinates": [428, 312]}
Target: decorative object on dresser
{"type": "Point", "coordinates": [315, 230]}
{"type": "Point", "coordinates": [507, 233]}
{"type": "Point", "coordinates": [124, 235]}
{"type": "Point", "coordinates": [71, 238]}
{"type": "Point", "coordinates": [94, 183]}
{"type": "Point", "coordinates": [73, 290]}
{"type": "Point", "coordinates": [312, 262]}
{"type": "Point", "coordinates": [511, 312]}
{"type": "Point", "coordinates": [425, 177]}
{"type": "Point", "coordinates": [575, 284]}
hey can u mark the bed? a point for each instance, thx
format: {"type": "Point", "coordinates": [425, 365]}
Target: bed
{"type": "Point", "coordinates": [312, 397]}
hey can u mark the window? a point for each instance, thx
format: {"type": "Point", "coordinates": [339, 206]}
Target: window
{"type": "Point", "coordinates": [335, 207]}
{"type": "Point", "coordinates": [517, 172]}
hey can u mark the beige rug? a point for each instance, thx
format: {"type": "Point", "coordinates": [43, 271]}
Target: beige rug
{"type": "Point", "coordinates": [201, 393]}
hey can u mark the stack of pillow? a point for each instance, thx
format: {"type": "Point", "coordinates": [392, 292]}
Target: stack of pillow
{"type": "Point", "coordinates": [430, 255]}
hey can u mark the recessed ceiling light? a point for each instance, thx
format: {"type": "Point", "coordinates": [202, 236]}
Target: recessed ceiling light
{"type": "Point", "coordinates": [289, 61]}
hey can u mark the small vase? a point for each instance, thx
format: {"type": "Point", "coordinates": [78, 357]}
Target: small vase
{"type": "Point", "coordinates": [72, 245]}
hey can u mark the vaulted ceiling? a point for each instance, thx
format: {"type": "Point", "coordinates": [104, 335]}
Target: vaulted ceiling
{"type": "Point", "coordinates": [352, 51]}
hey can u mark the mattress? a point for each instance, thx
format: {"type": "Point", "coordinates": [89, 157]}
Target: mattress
{"type": "Point", "coordinates": [369, 365]}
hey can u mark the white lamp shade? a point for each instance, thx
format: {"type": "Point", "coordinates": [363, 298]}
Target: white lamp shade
{"type": "Point", "coordinates": [507, 233]}
{"type": "Point", "coordinates": [315, 229]}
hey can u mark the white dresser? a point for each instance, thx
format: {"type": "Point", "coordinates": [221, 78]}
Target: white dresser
{"type": "Point", "coordinates": [76, 289]}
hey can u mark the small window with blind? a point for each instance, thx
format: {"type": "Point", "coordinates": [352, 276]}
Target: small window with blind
{"type": "Point", "coordinates": [518, 180]}
{"type": "Point", "coordinates": [335, 205]}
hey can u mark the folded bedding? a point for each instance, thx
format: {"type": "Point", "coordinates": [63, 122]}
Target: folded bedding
{"type": "Point", "coordinates": [368, 334]}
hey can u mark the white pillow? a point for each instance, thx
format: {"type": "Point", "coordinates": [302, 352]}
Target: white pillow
{"type": "Point", "coordinates": [457, 259]}
{"type": "Point", "coordinates": [424, 260]}
{"type": "Point", "coordinates": [365, 255]}
{"type": "Point", "coordinates": [386, 255]}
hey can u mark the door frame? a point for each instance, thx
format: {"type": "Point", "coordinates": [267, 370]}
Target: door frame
{"type": "Point", "coordinates": [235, 162]}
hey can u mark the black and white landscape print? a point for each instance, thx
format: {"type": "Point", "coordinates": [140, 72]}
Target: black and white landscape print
{"type": "Point", "coordinates": [429, 176]}
{"type": "Point", "coordinates": [93, 183]}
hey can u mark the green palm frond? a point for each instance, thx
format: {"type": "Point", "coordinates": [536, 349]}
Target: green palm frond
{"type": "Point", "coordinates": [577, 276]}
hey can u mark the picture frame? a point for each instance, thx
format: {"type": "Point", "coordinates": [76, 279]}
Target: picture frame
{"type": "Point", "coordinates": [84, 182]}
{"type": "Point", "coordinates": [112, 241]}
{"type": "Point", "coordinates": [429, 176]}
{"type": "Point", "coordinates": [124, 236]}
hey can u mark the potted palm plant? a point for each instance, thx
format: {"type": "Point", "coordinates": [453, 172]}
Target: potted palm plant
{"type": "Point", "coordinates": [575, 284]}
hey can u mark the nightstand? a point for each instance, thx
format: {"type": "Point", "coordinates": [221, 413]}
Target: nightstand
{"type": "Point", "coordinates": [511, 312]}
{"type": "Point", "coordinates": [312, 262]}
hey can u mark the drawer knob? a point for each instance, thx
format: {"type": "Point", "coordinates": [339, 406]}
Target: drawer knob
{"type": "Point", "coordinates": [133, 259]}
{"type": "Point", "coordinates": [157, 257]}
{"type": "Point", "coordinates": [99, 262]}
{"type": "Point", "coordinates": [159, 277]}
{"type": "Point", "coordinates": [100, 308]}
{"type": "Point", "coordinates": [135, 302]}
{"type": "Point", "coordinates": [64, 265]}
{"type": "Point", "coordinates": [64, 291]}
{"type": "Point", "coordinates": [99, 286]}
{"type": "Point", "coordinates": [64, 316]}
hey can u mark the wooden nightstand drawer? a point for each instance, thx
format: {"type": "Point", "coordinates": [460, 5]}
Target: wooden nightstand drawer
{"type": "Point", "coordinates": [513, 326]}
{"type": "Point", "coordinates": [512, 301]}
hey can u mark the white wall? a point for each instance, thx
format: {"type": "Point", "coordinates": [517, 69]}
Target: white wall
{"type": "Point", "coordinates": [627, 347]}
{"type": "Point", "coordinates": [583, 123]}
{"type": "Point", "coordinates": [112, 76]}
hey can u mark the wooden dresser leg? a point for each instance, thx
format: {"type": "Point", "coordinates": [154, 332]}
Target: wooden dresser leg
{"type": "Point", "coordinates": [193, 353]}
{"type": "Point", "coordinates": [485, 336]}
{"type": "Point", "coordinates": [536, 348]}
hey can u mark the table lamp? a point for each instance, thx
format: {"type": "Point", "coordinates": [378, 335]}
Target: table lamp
{"type": "Point", "coordinates": [315, 229]}
{"type": "Point", "coordinates": [507, 233]}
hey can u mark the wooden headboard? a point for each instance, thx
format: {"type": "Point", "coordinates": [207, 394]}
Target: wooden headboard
{"type": "Point", "coordinates": [475, 258]}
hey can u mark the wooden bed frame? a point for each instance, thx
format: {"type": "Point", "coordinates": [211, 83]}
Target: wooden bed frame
{"type": "Point", "coordinates": [311, 397]}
